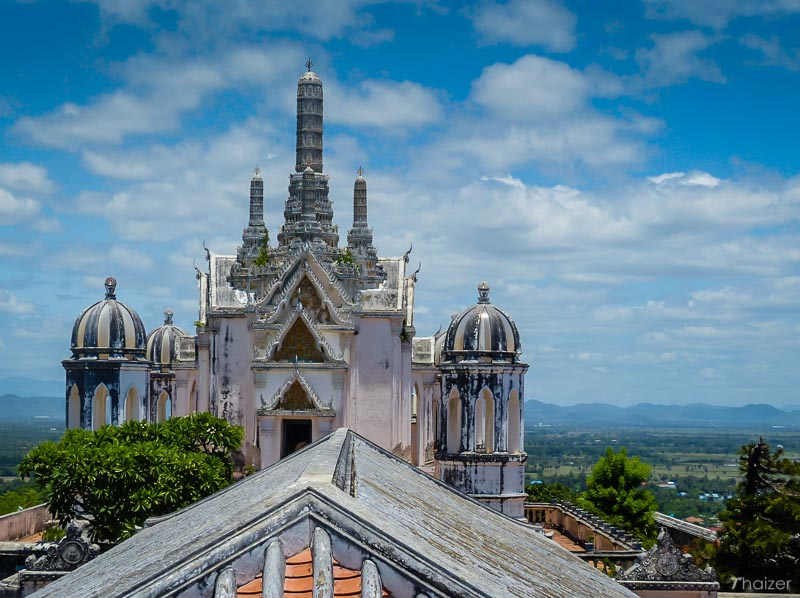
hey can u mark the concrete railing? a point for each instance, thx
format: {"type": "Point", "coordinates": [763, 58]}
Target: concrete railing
{"type": "Point", "coordinates": [23, 523]}
{"type": "Point", "coordinates": [580, 526]}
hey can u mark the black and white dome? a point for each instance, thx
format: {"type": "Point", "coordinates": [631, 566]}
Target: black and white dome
{"type": "Point", "coordinates": [161, 341]}
{"type": "Point", "coordinates": [109, 329]}
{"type": "Point", "coordinates": [482, 331]}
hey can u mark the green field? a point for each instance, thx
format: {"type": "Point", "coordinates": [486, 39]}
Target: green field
{"type": "Point", "coordinates": [698, 461]}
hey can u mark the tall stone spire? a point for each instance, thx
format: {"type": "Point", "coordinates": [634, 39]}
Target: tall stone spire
{"type": "Point", "coordinates": [360, 236]}
{"type": "Point", "coordinates": [308, 214]}
{"type": "Point", "coordinates": [309, 121]}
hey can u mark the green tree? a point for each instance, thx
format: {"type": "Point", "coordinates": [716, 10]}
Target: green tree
{"type": "Point", "coordinates": [116, 477]}
{"type": "Point", "coordinates": [615, 491]}
{"type": "Point", "coordinates": [761, 523]}
{"type": "Point", "coordinates": [550, 492]}
{"type": "Point", "coordinates": [20, 498]}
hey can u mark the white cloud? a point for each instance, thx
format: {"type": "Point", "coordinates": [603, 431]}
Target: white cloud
{"type": "Point", "coordinates": [532, 88]}
{"type": "Point", "coordinates": [710, 374]}
{"type": "Point", "coordinates": [159, 90]}
{"type": "Point", "coordinates": [321, 19]}
{"type": "Point", "coordinates": [718, 13]}
{"type": "Point", "coordinates": [14, 210]}
{"type": "Point", "coordinates": [674, 59]}
{"type": "Point", "coordinates": [696, 177]}
{"type": "Point", "coordinates": [389, 105]}
{"type": "Point", "coordinates": [538, 111]}
{"type": "Point", "coordinates": [771, 51]}
{"type": "Point", "coordinates": [26, 177]}
{"type": "Point", "coordinates": [545, 23]}
{"type": "Point", "coordinates": [10, 304]}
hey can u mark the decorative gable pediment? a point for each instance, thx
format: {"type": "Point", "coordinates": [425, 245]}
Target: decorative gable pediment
{"type": "Point", "coordinates": [306, 279]}
{"type": "Point", "coordinates": [299, 340]}
{"type": "Point", "coordinates": [295, 394]}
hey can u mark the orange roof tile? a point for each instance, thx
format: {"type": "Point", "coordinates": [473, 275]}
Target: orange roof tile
{"type": "Point", "coordinates": [298, 580]}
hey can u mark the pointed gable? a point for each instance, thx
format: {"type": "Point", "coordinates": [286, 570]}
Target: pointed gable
{"type": "Point", "coordinates": [299, 344]}
{"type": "Point", "coordinates": [295, 398]}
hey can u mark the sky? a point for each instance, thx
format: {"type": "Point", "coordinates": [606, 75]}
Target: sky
{"type": "Point", "coordinates": [624, 174]}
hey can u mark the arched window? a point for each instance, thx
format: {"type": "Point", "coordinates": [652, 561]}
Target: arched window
{"type": "Point", "coordinates": [484, 422]}
{"type": "Point", "coordinates": [514, 419]}
{"type": "Point", "coordinates": [99, 405]}
{"type": "Point", "coordinates": [163, 407]}
{"type": "Point", "coordinates": [435, 421]}
{"type": "Point", "coordinates": [454, 422]}
{"type": "Point", "coordinates": [193, 399]}
{"type": "Point", "coordinates": [132, 405]}
{"type": "Point", "coordinates": [74, 417]}
{"type": "Point", "coordinates": [415, 426]}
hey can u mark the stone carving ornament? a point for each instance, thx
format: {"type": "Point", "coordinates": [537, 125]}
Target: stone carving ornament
{"type": "Point", "coordinates": [72, 551]}
{"type": "Point", "coordinates": [666, 562]}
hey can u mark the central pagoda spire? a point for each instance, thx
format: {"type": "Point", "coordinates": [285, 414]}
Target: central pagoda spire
{"type": "Point", "coordinates": [309, 121]}
{"type": "Point", "coordinates": [308, 215]}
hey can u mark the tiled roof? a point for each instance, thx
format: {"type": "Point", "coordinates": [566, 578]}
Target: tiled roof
{"type": "Point", "coordinates": [299, 580]}
{"type": "Point", "coordinates": [382, 516]}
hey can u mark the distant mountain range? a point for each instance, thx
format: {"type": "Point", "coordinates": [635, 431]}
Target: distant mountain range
{"type": "Point", "coordinates": [697, 415]}
{"type": "Point", "coordinates": [28, 387]}
{"type": "Point", "coordinates": [645, 415]}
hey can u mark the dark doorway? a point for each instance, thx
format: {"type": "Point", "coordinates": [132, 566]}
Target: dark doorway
{"type": "Point", "coordinates": [296, 435]}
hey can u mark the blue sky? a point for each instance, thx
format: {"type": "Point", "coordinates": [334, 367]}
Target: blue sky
{"type": "Point", "coordinates": [624, 174]}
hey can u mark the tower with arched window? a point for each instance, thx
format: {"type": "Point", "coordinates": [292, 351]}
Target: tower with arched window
{"type": "Point", "coordinates": [161, 351]}
{"type": "Point", "coordinates": [479, 434]}
{"type": "Point", "coordinates": [108, 372]}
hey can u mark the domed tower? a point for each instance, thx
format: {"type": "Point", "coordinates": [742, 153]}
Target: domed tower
{"type": "Point", "coordinates": [161, 351]}
{"type": "Point", "coordinates": [479, 447]}
{"type": "Point", "coordinates": [107, 375]}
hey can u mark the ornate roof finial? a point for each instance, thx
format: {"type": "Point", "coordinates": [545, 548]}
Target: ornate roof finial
{"type": "Point", "coordinates": [168, 313]}
{"type": "Point", "coordinates": [111, 287]}
{"type": "Point", "coordinates": [256, 171]}
{"type": "Point", "coordinates": [483, 292]}
{"type": "Point", "coordinates": [309, 64]}
{"type": "Point", "coordinates": [360, 171]}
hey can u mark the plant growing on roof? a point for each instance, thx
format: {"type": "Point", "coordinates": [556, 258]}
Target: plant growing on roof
{"type": "Point", "coordinates": [262, 259]}
{"type": "Point", "coordinates": [345, 258]}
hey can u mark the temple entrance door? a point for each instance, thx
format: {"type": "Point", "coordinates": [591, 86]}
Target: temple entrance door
{"type": "Point", "coordinates": [295, 434]}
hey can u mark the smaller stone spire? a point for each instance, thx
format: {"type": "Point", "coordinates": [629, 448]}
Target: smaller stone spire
{"type": "Point", "coordinates": [257, 199]}
{"type": "Point", "coordinates": [360, 236]}
{"type": "Point", "coordinates": [254, 235]}
{"type": "Point", "coordinates": [111, 287]}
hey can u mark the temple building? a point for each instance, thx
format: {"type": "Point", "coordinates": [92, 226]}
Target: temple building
{"type": "Point", "coordinates": [299, 338]}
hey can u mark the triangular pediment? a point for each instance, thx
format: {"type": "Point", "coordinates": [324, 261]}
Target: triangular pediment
{"type": "Point", "coordinates": [299, 344]}
{"type": "Point", "coordinates": [307, 273]}
{"type": "Point", "coordinates": [299, 341]}
{"type": "Point", "coordinates": [295, 394]}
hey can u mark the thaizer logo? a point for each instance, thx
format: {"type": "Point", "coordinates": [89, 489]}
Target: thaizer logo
{"type": "Point", "coordinates": [765, 584]}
